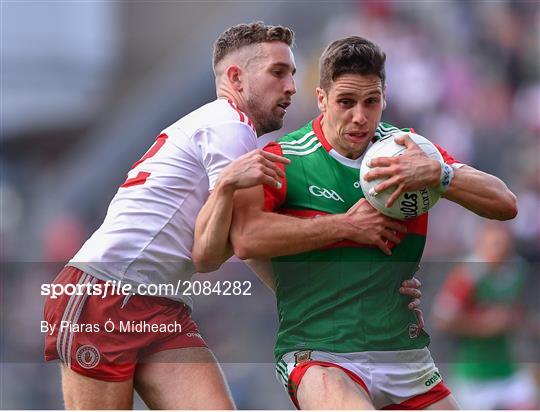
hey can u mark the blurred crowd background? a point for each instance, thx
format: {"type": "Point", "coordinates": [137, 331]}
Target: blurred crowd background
{"type": "Point", "coordinates": [86, 87]}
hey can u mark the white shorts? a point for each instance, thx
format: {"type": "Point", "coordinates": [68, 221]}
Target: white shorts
{"type": "Point", "coordinates": [518, 391]}
{"type": "Point", "coordinates": [409, 378]}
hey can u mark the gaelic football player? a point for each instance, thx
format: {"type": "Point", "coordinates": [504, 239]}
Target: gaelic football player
{"type": "Point", "coordinates": [481, 305]}
{"type": "Point", "coordinates": [346, 339]}
{"type": "Point", "coordinates": [147, 237]}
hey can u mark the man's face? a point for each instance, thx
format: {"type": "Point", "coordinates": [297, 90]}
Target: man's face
{"type": "Point", "coordinates": [352, 109]}
{"type": "Point", "coordinates": [269, 85]}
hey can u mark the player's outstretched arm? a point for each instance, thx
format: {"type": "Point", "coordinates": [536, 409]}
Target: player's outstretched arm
{"type": "Point", "coordinates": [256, 234]}
{"type": "Point", "coordinates": [482, 193]}
{"type": "Point", "coordinates": [211, 247]}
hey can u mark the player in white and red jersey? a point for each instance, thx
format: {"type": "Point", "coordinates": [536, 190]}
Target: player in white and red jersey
{"type": "Point", "coordinates": [156, 207]}
{"type": "Point", "coordinates": [147, 237]}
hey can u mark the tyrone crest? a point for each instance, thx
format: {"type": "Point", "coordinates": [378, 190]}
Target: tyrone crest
{"type": "Point", "coordinates": [87, 356]}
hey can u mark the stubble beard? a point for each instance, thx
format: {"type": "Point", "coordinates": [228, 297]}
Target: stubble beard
{"type": "Point", "coordinates": [265, 121]}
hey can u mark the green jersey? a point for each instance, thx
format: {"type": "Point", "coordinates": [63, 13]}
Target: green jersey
{"type": "Point", "coordinates": [474, 287]}
{"type": "Point", "coordinates": [343, 298]}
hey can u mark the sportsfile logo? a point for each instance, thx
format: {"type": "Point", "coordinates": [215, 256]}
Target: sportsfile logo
{"type": "Point", "coordinates": [326, 193]}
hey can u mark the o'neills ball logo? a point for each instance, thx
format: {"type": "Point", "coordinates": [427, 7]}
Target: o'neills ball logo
{"type": "Point", "coordinates": [87, 356]}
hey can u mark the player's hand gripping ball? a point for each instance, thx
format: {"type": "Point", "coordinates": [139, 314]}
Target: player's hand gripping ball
{"type": "Point", "coordinates": [409, 204]}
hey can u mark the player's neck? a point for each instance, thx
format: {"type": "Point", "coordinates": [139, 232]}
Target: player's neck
{"type": "Point", "coordinates": [238, 101]}
{"type": "Point", "coordinates": [226, 93]}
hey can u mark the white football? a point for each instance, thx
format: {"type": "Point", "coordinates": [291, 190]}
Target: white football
{"type": "Point", "coordinates": [409, 204]}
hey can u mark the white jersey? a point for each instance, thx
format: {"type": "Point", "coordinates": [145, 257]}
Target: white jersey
{"type": "Point", "coordinates": [147, 235]}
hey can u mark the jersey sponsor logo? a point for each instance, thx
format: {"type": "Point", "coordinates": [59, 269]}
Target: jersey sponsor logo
{"type": "Point", "coordinates": [87, 356]}
{"type": "Point", "coordinates": [302, 356]}
{"type": "Point", "coordinates": [357, 185]}
{"type": "Point", "coordinates": [436, 377]}
{"type": "Point", "coordinates": [327, 193]}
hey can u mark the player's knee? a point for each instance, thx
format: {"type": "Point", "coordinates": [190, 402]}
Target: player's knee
{"type": "Point", "coordinates": [322, 386]}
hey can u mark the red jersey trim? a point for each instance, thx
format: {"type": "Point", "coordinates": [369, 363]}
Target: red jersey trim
{"type": "Point", "coordinates": [299, 371]}
{"type": "Point", "coordinates": [243, 117]}
{"type": "Point", "coordinates": [446, 157]}
{"type": "Point", "coordinates": [274, 197]}
{"type": "Point", "coordinates": [317, 129]}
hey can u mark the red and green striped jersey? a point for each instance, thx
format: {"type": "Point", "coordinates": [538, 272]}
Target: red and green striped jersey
{"type": "Point", "coordinates": [343, 298]}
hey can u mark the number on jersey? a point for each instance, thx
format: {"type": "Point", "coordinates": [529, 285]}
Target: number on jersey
{"type": "Point", "coordinates": [141, 177]}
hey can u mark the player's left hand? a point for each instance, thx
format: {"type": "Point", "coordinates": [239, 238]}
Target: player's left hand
{"type": "Point", "coordinates": [411, 287]}
{"type": "Point", "coordinates": [413, 170]}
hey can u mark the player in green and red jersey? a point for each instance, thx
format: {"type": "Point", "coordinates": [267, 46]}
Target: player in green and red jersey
{"type": "Point", "coordinates": [480, 304]}
{"type": "Point", "coordinates": [346, 339]}
{"type": "Point", "coordinates": [325, 297]}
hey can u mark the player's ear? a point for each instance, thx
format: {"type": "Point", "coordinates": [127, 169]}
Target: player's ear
{"type": "Point", "coordinates": [233, 73]}
{"type": "Point", "coordinates": [384, 98]}
{"type": "Point", "coordinates": [322, 99]}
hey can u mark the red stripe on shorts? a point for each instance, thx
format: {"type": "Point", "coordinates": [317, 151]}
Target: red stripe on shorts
{"type": "Point", "coordinates": [435, 394]}
{"type": "Point", "coordinates": [299, 371]}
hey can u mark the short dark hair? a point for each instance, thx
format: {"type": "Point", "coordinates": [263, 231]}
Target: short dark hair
{"type": "Point", "coordinates": [351, 55]}
{"type": "Point", "coordinates": [242, 35]}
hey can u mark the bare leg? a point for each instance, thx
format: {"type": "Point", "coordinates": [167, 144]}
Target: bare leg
{"type": "Point", "coordinates": [331, 388]}
{"type": "Point", "coordinates": [188, 378]}
{"type": "Point", "coordinates": [82, 392]}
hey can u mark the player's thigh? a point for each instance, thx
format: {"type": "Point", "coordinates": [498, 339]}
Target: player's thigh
{"type": "Point", "coordinates": [324, 387]}
{"type": "Point", "coordinates": [448, 403]}
{"type": "Point", "coordinates": [186, 378]}
{"type": "Point", "coordinates": [82, 392]}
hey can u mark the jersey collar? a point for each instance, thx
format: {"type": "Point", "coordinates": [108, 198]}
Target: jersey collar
{"type": "Point", "coordinates": [317, 129]}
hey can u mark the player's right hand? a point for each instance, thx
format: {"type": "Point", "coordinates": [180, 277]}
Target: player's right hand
{"type": "Point", "coordinates": [252, 169]}
{"type": "Point", "coordinates": [412, 170]}
{"type": "Point", "coordinates": [368, 226]}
